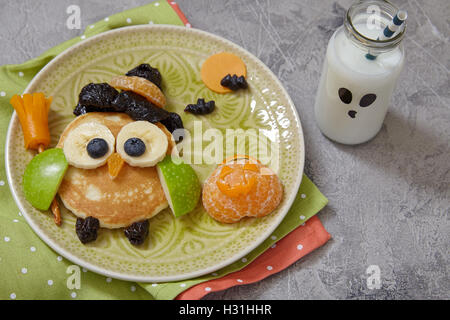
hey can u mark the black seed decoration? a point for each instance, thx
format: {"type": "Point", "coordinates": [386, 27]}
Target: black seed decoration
{"type": "Point", "coordinates": [345, 95]}
{"type": "Point", "coordinates": [137, 232]}
{"type": "Point", "coordinates": [201, 107]}
{"type": "Point", "coordinates": [97, 148]}
{"type": "Point", "coordinates": [352, 114]}
{"type": "Point", "coordinates": [86, 229]}
{"type": "Point", "coordinates": [134, 147]}
{"type": "Point", "coordinates": [367, 100]}
{"type": "Point", "coordinates": [98, 95]}
{"type": "Point", "coordinates": [234, 82]}
{"type": "Point", "coordinates": [146, 71]}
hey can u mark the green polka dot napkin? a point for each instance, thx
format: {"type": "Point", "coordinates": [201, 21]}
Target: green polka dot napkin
{"type": "Point", "coordinates": [29, 268]}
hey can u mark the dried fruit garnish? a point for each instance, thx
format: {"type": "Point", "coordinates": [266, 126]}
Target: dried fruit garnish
{"type": "Point", "coordinates": [87, 229]}
{"type": "Point", "coordinates": [201, 107]}
{"type": "Point", "coordinates": [138, 108]}
{"type": "Point", "coordinates": [174, 124]}
{"type": "Point", "coordinates": [115, 164]}
{"type": "Point", "coordinates": [146, 71]}
{"type": "Point", "coordinates": [234, 82]}
{"type": "Point", "coordinates": [137, 232]}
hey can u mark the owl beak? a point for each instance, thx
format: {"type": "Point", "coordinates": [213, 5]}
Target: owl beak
{"type": "Point", "coordinates": [115, 165]}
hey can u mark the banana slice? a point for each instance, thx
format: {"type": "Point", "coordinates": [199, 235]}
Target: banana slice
{"type": "Point", "coordinates": [89, 145]}
{"type": "Point", "coordinates": [141, 144]}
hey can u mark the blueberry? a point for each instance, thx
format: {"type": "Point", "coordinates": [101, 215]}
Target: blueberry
{"type": "Point", "coordinates": [97, 148]}
{"type": "Point", "coordinates": [134, 147]}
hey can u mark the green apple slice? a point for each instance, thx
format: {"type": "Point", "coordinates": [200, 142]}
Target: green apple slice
{"type": "Point", "coordinates": [42, 177]}
{"type": "Point", "coordinates": [180, 184]}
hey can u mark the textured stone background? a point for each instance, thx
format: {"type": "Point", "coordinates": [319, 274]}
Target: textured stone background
{"type": "Point", "coordinates": [389, 199]}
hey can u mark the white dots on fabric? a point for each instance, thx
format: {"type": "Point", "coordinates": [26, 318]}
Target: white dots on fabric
{"type": "Point", "coordinates": [273, 237]}
{"type": "Point", "coordinates": [50, 282]}
{"type": "Point", "coordinates": [59, 258]}
{"type": "Point", "coordinates": [133, 288]}
{"type": "Point", "coordinates": [73, 295]}
{"type": "Point", "coordinates": [183, 285]}
{"type": "Point", "coordinates": [12, 295]}
{"type": "Point", "coordinates": [299, 247]}
{"type": "Point", "coordinates": [128, 20]}
{"type": "Point", "coordinates": [2, 93]}
{"type": "Point", "coordinates": [154, 284]}
{"type": "Point", "coordinates": [274, 246]}
{"type": "Point", "coordinates": [269, 268]}
{"type": "Point", "coordinates": [244, 259]}
{"type": "Point", "coordinates": [207, 289]}
{"type": "Point", "coordinates": [188, 25]}
{"type": "Point", "coordinates": [91, 26]}
{"type": "Point", "coordinates": [150, 22]}
{"type": "Point", "coordinates": [302, 217]}
{"type": "Point", "coordinates": [24, 270]}
{"type": "Point", "coordinates": [240, 280]}
{"type": "Point", "coordinates": [156, 4]}
{"type": "Point", "coordinates": [108, 280]}
{"type": "Point", "coordinates": [83, 37]}
{"type": "Point", "coordinates": [214, 274]}
{"type": "Point", "coordinates": [21, 74]}
{"type": "Point", "coordinates": [107, 19]}
{"type": "Point", "coordinates": [32, 249]}
{"type": "Point", "coordinates": [303, 196]}
{"type": "Point", "coordinates": [15, 220]}
{"type": "Point", "coordinates": [7, 239]}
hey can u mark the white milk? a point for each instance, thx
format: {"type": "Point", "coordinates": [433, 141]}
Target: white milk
{"type": "Point", "coordinates": [347, 67]}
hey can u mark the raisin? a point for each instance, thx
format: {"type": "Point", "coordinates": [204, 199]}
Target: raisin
{"type": "Point", "coordinates": [201, 107]}
{"type": "Point", "coordinates": [175, 126]}
{"type": "Point", "coordinates": [146, 71]}
{"type": "Point", "coordinates": [234, 82]}
{"type": "Point", "coordinates": [138, 108]}
{"type": "Point", "coordinates": [137, 232]}
{"type": "Point", "coordinates": [87, 229]}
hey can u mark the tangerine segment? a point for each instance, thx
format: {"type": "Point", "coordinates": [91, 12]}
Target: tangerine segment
{"type": "Point", "coordinates": [140, 86]}
{"type": "Point", "coordinates": [238, 190]}
{"type": "Point", "coordinates": [217, 66]}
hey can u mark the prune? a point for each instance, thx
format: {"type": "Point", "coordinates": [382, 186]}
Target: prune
{"type": "Point", "coordinates": [148, 72]}
{"type": "Point", "coordinates": [98, 95]}
{"type": "Point", "coordinates": [201, 107]}
{"type": "Point", "coordinates": [137, 232]}
{"type": "Point", "coordinates": [82, 109]}
{"type": "Point", "coordinates": [97, 148]}
{"type": "Point", "coordinates": [87, 229]}
{"type": "Point", "coordinates": [175, 126]}
{"type": "Point", "coordinates": [138, 108]}
{"type": "Point", "coordinates": [134, 147]}
{"type": "Point", "coordinates": [234, 82]}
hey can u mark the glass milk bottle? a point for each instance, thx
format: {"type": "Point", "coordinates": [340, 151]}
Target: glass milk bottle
{"type": "Point", "coordinates": [360, 72]}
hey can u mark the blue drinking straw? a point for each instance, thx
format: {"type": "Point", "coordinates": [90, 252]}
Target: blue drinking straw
{"type": "Point", "coordinates": [390, 29]}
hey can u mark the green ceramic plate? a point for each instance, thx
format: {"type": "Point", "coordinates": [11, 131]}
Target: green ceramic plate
{"type": "Point", "coordinates": [194, 244]}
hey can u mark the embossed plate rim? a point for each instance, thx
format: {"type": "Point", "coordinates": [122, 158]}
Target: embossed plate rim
{"type": "Point", "coordinates": [117, 275]}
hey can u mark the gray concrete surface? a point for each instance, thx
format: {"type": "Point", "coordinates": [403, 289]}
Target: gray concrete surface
{"type": "Point", "coordinates": [389, 199]}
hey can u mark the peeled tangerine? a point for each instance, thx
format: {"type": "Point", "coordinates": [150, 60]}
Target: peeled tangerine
{"type": "Point", "coordinates": [239, 189]}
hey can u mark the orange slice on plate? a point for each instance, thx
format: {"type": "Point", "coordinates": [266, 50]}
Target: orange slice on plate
{"type": "Point", "coordinates": [217, 66]}
{"type": "Point", "coordinates": [140, 86]}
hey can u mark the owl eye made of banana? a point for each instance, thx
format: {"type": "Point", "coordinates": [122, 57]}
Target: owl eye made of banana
{"type": "Point", "coordinates": [139, 143]}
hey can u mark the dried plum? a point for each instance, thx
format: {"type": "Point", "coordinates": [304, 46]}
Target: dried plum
{"type": "Point", "coordinates": [172, 123]}
{"type": "Point", "coordinates": [201, 107]}
{"type": "Point", "coordinates": [234, 82]}
{"type": "Point", "coordinates": [148, 72]}
{"type": "Point", "coordinates": [137, 232]}
{"type": "Point", "coordinates": [98, 95]}
{"type": "Point", "coordinates": [138, 108]}
{"type": "Point", "coordinates": [87, 229]}
{"type": "Point", "coordinates": [82, 109]}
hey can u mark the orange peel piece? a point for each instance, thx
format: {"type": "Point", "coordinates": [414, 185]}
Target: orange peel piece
{"type": "Point", "coordinates": [217, 66]}
{"type": "Point", "coordinates": [140, 86]}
